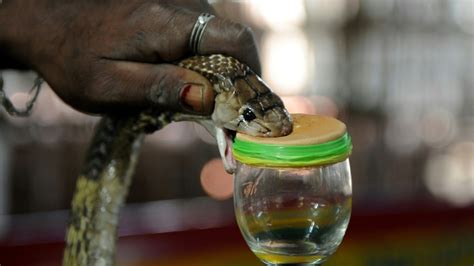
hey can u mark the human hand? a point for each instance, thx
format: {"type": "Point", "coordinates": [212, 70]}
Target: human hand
{"type": "Point", "coordinates": [116, 55]}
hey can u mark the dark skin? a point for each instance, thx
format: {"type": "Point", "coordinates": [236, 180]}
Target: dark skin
{"type": "Point", "coordinates": [104, 56]}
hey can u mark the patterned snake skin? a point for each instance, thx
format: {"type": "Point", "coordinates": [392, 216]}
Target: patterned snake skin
{"type": "Point", "coordinates": [243, 103]}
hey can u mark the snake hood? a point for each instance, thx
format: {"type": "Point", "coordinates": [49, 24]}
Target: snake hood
{"type": "Point", "coordinates": [243, 103]}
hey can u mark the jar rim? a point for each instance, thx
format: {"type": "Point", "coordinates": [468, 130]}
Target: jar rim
{"type": "Point", "coordinates": [274, 155]}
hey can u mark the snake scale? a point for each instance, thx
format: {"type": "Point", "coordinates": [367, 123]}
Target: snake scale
{"type": "Point", "coordinates": [243, 103]}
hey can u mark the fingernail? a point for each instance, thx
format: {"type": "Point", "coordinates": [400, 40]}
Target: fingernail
{"type": "Point", "coordinates": [197, 98]}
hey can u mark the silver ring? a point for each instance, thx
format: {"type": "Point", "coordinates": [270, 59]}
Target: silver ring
{"type": "Point", "coordinates": [198, 31]}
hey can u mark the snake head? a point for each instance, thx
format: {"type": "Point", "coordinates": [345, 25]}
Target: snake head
{"type": "Point", "coordinates": [243, 103]}
{"type": "Point", "coordinates": [248, 107]}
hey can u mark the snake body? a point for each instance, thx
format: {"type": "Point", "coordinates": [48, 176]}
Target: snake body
{"type": "Point", "coordinates": [243, 103]}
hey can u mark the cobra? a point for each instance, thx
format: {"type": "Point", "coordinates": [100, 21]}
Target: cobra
{"type": "Point", "coordinates": [243, 103]}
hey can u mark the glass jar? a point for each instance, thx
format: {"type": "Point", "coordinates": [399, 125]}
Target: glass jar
{"type": "Point", "coordinates": [293, 194]}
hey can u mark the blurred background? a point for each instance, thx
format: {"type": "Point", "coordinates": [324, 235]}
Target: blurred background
{"type": "Point", "coordinates": [399, 73]}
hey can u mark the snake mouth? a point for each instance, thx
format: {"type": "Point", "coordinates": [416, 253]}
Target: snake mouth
{"type": "Point", "coordinates": [229, 160]}
{"type": "Point", "coordinates": [226, 140]}
{"type": "Point", "coordinates": [230, 134]}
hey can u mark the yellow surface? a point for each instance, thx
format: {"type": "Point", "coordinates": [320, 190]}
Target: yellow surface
{"type": "Point", "coordinates": [283, 259]}
{"type": "Point", "coordinates": [307, 129]}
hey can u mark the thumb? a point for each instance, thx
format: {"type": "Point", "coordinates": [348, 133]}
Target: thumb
{"type": "Point", "coordinates": [122, 85]}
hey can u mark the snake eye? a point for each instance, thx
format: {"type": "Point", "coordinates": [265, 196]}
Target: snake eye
{"type": "Point", "coordinates": [249, 115]}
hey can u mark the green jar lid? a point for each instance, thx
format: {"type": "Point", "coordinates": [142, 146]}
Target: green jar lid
{"type": "Point", "coordinates": [315, 140]}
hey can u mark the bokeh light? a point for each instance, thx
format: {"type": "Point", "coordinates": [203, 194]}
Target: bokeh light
{"type": "Point", "coordinates": [285, 61]}
{"type": "Point", "coordinates": [330, 11]}
{"type": "Point", "coordinates": [278, 14]}
{"type": "Point", "coordinates": [462, 12]}
{"type": "Point", "coordinates": [438, 127]}
{"type": "Point", "coordinates": [325, 106]}
{"type": "Point", "coordinates": [450, 176]}
{"type": "Point", "coordinates": [215, 181]}
{"type": "Point", "coordinates": [401, 135]}
{"type": "Point", "coordinates": [299, 105]}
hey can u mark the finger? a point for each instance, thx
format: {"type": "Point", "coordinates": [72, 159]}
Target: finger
{"type": "Point", "coordinates": [166, 30]}
{"type": "Point", "coordinates": [227, 37]}
{"type": "Point", "coordinates": [124, 86]}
